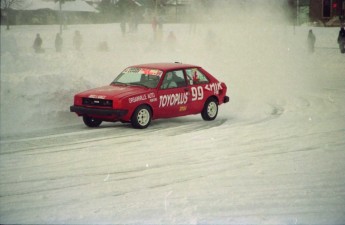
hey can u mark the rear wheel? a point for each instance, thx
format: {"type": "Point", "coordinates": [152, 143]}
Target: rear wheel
{"type": "Point", "coordinates": [210, 110]}
{"type": "Point", "coordinates": [141, 117]}
{"type": "Point", "coordinates": [91, 122]}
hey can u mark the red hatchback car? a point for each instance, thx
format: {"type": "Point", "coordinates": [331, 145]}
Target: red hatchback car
{"type": "Point", "coordinates": [145, 92]}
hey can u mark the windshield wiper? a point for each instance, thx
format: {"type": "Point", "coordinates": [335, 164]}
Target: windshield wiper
{"type": "Point", "coordinates": [138, 84]}
{"type": "Point", "coordinates": [118, 83]}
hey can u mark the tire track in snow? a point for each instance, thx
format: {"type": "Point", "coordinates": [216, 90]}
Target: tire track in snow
{"type": "Point", "coordinates": [82, 138]}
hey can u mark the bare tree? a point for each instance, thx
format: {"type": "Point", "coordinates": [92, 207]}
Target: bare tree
{"type": "Point", "coordinates": [7, 6]}
{"type": "Point", "coordinates": [60, 12]}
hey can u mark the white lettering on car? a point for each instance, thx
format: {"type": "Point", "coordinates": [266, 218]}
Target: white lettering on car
{"type": "Point", "coordinates": [173, 99]}
{"type": "Point", "coordinates": [151, 96]}
{"type": "Point", "coordinates": [97, 96]}
{"type": "Point", "coordinates": [197, 93]}
{"type": "Point", "coordinates": [137, 98]}
{"type": "Point", "coordinates": [215, 87]}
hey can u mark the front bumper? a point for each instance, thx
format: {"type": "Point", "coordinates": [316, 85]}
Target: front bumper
{"type": "Point", "coordinates": [80, 110]}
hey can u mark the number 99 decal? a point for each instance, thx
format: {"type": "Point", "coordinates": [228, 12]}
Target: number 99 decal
{"type": "Point", "coordinates": [197, 93]}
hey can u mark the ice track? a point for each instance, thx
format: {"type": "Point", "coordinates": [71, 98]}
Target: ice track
{"type": "Point", "coordinates": [79, 134]}
{"type": "Point", "coordinates": [105, 169]}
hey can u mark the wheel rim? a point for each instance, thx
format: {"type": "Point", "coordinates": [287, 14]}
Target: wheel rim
{"type": "Point", "coordinates": [143, 117]}
{"type": "Point", "coordinates": [212, 109]}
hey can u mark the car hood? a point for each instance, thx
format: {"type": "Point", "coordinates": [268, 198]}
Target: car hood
{"type": "Point", "coordinates": [114, 92]}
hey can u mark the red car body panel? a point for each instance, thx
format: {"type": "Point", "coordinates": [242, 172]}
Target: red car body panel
{"type": "Point", "coordinates": [118, 101]}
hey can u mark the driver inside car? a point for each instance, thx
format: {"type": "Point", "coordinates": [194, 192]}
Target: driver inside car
{"type": "Point", "coordinates": [169, 81]}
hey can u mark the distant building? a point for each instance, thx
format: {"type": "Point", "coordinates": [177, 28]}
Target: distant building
{"type": "Point", "coordinates": [327, 12]}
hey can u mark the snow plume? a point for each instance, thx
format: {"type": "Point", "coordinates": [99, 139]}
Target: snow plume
{"type": "Point", "coordinates": [249, 46]}
{"type": "Point", "coordinates": [254, 49]}
{"type": "Point", "coordinates": [35, 98]}
{"type": "Point", "coordinates": [251, 42]}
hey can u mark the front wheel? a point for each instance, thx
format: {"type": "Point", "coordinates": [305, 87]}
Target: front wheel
{"type": "Point", "coordinates": [91, 122]}
{"type": "Point", "coordinates": [210, 109]}
{"type": "Point", "coordinates": [141, 117]}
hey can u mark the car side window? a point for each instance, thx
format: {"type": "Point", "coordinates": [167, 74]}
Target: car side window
{"type": "Point", "coordinates": [173, 79]}
{"type": "Point", "coordinates": [196, 77]}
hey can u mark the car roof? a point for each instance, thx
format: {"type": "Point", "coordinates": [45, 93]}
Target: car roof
{"type": "Point", "coordinates": [166, 66]}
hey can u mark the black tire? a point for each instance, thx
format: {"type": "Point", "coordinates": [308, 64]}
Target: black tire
{"type": "Point", "coordinates": [91, 122]}
{"type": "Point", "coordinates": [210, 110]}
{"type": "Point", "coordinates": [141, 117]}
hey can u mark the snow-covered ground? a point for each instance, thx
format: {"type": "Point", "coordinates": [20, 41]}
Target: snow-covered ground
{"type": "Point", "coordinates": [274, 155]}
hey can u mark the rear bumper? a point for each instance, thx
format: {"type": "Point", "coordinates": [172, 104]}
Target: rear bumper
{"type": "Point", "coordinates": [226, 99]}
{"type": "Point", "coordinates": [80, 110]}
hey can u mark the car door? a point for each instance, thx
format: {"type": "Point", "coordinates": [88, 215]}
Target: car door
{"type": "Point", "coordinates": [198, 82]}
{"type": "Point", "coordinates": [173, 95]}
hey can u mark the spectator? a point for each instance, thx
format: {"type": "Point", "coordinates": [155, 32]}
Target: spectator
{"type": "Point", "coordinates": [171, 40]}
{"type": "Point", "coordinates": [103, 46]}
{"type": "Point", "coordinates": [154, 24]}
{"type": "Point", "coordinates": [58, 42]}
{"type": "Point", "coordinates": [38, 44]}
{"type": "Point", "coordinates": [123, 27]}
{"type": "Point", "coordinates": [77, 40]}
{"type": "Point", "coordinates": [311, 41]}
{"type": "Point", "coordinates": [341, 40]}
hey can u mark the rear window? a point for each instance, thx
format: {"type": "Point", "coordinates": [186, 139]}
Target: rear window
{"type": "Point", "coordinates": [196, 77]}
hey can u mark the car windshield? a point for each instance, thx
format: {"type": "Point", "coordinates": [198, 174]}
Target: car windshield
{"type": "Point", "coordinates": [134, 76]}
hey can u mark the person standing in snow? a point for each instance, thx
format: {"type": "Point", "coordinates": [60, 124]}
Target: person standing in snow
{"type": "Point", "coordinates": [77, 40]}
{"type": "Point", "coordinates": [154, 24]}
{"type": "Point", "coordinates": [58, 42]}
{"type": "Point", "coordinates": [341, 40]}
{"type": "Point", "coordinates": [311, 41]}
{"type": "Point", "coordinates": [171, 40]}
{"type": "Point", "coordinates": [38, 44]}
{"type": "Point", "coordinates": [103, 46]}
{"type": "Point", "coordinates": [123, 27]}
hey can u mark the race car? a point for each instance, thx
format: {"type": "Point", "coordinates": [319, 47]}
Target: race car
{"type": "Point", "coordinates": [145, 92]}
